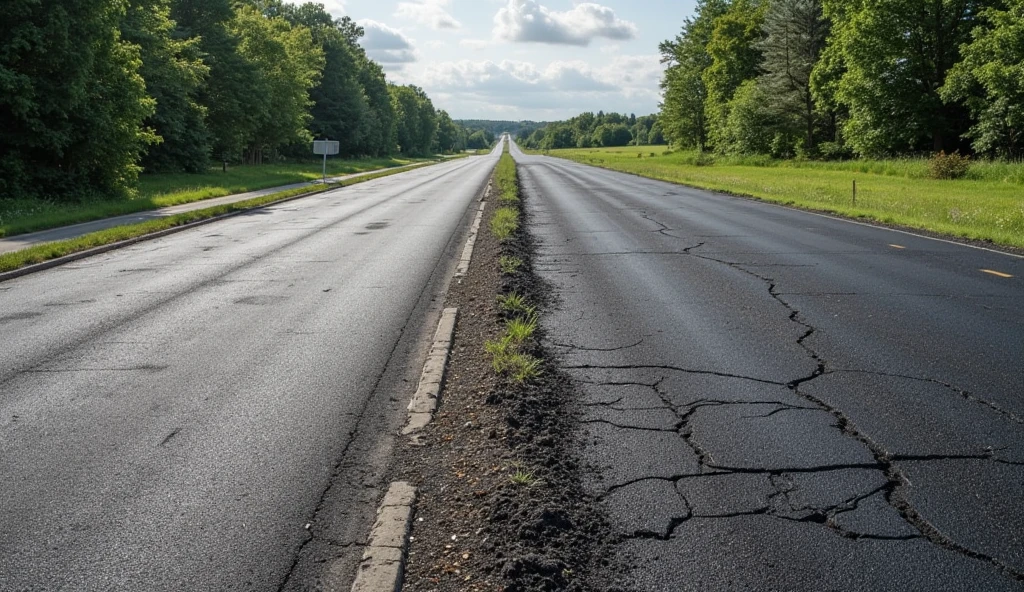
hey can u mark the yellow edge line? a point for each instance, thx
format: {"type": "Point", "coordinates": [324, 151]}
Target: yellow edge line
{"type": "Point", "coordinates": [997, 273]}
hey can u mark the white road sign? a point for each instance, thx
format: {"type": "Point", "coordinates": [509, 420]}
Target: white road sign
{"type": "Point", "coordinates": [325, 147]}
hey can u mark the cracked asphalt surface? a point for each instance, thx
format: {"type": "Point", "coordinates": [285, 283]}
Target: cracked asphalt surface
{"type": "Point", "coordinates": [777, 400]}
{"type": "Point", "coordinates": [214, 410]}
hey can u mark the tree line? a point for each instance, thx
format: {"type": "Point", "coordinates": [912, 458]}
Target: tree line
{"type": "Point", "coordinates": [588, 130]}
{"type": "Point", "coordinates": [837, 78]}
{"type": "Point", "coordinates": [92, 92]}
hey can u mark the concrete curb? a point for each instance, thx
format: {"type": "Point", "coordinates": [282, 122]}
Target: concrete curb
{"type": "Point", "coordinates": [424, 400]}
{"type": "Point", "coordinates": [467, 252]}
{"type": "Point", "coordinates": [383, 564]}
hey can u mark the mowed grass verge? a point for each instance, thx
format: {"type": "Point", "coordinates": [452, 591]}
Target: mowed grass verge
{"type": "Point", "coordinates": [48, 251]}
{"type": "Point", "coordinates": [986, 206]}
{"type": "Point", "coordinates": [19, 216]}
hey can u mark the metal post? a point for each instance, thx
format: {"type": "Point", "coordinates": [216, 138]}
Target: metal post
{"type": "Point", "coordinates": [855, 192]}
{"type": "Point", "coordinates": [325, 167]}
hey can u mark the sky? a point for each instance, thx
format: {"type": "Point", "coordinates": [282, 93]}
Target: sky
{"type": "Point", "coordinates": [540, 60]}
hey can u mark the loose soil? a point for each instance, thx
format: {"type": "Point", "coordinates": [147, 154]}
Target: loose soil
{"type": "Point", "coordinates": [475, 528]}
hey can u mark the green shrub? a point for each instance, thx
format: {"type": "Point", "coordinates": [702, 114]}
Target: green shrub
{"type": "Point", "coordinates": [949, 166]}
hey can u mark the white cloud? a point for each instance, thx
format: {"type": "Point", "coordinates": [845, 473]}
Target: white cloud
{"type": "Point", "coordinates": [433, 12]}
{"type": "Point", "coordinates": [475, 44]}
{"type": "Point", "coordinates": [335, 7]}
{"type": "Point", "coordinates": [510, 77]}
{"type": "Point", "coordinates": [558, 90]}
{"type": "Point", "coordinates": [386, 46]}
{"type": "Point", "coordinates": [526, 21]}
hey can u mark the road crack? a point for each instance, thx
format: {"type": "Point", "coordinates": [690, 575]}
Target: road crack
{"type": "Point", "coordinates": [896, 480]}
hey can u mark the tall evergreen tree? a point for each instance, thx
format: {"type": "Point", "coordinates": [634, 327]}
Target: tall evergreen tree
{"type": "Point", "coordinates": [795, 32]}
{"type": "Point", "coordinates": [340, 108]}
{"type": "Point", "coordinates": [227, 94]}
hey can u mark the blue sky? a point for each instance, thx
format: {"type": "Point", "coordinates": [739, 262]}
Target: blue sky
{"type": "Point", "coordinates": [522, 59]}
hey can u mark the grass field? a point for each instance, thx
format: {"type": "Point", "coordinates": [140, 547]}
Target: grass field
{"type": "Point", "coordinates": [988, 205]}
{"type": "Point", "coordinates": [18, 216]}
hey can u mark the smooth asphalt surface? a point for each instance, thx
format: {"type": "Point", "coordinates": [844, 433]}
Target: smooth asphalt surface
{"type": "Point", "coordinates": [31, 239]}
{"type": "Point", "coordinates": [776, 400]}
{"type": "Point", "coordinates": [213, 410]}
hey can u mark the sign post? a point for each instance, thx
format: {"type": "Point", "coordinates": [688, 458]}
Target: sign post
{"type": "Point", "coordinates": [326, 147]}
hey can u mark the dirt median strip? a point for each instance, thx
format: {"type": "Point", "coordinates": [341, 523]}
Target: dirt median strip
{"type": "Point", "coordinates": [500, 500]}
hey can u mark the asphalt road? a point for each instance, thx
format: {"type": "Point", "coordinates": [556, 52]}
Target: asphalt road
{"type": "Point", "coordinates": [776, 400]}
{"type": "Point", "coordinates": [31, 239]}
{"type": "Point", "coordinates": [213, 410]}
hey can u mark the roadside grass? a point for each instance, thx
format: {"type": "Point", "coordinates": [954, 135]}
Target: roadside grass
{"type": "Point", "coordinates": [18, 216]}
{"type": "Point", "coordinates": [504, 223]}
{"type": "Point", "coordinates": [48, 251]}
{"type": "Point", "coordinates": [521, 329]}
{"type": "Point", "coordinates": [515, 304]}
{"type": "Point", "coordinates": [507, 353]}
{"type": "Point", "coordinates": [506, 180]}
{"type": "Point", "coordinates": [524, 478]}
{"type": "Point", "coordinates": [987, 205]}
{"type": "Point", "coordinates": [509, 264]}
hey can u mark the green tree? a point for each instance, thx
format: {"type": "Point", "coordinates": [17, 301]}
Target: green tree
{"type": "Point", "coordinates": [558, 136]}
{"type": "Point", "coordinates": [896, 55]}
{"type": "Point", "coordinates": [735, 57]}
{"type": "Point", "coordinates": [72, 101]}
{"type": "Point", "coordinates": [228, 94]}
{"type": "Point", "coordinates": [795, 32]}
{"type": "Point", "coordinates": [448, 134]}
{"type": "Point", "coordinates": [612, 134]}
{"type": "Point", "coordinates": [415, 119]}
{"type": "Point", "coordinates": [478, 140]}
{"type": "Point", "coordinates": [380, 134]}
{"type": "Point", "coordinates": [174, 72]}
{"type": "Point", "coordinates": [685, 93]}
{"type": "Point", "coordinates": [287, 65]}
{"type": "Point", "coordinates": [990, 81]}
{"type": "Point", "coordinates": [340, 108]}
